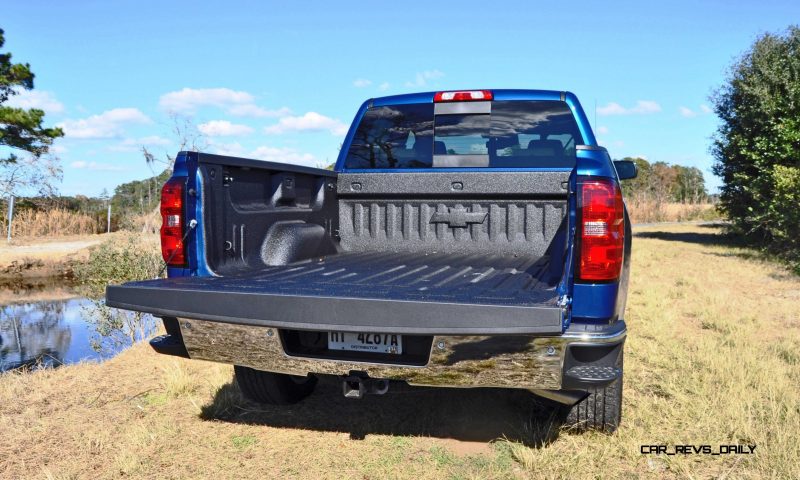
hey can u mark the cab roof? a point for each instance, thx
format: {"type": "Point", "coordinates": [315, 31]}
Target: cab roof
{"type": "Point", "coordinates": [499, 94]}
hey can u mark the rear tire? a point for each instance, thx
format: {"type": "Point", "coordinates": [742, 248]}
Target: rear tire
{"type": "Point", "coordinates": [601, 410]}
{"type": "Point", "coordinates": [273, 388]}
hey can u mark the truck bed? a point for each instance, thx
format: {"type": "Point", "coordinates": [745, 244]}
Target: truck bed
{"type": "Point", "coordinates": [381, 292]}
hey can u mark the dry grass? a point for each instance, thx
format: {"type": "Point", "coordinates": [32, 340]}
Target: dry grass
{"type": "Point", "coordinates": [53, 222]}
{"type": "Point", "coordinates": [149, 222]}
{"type": "Point", "coordinates": [712, 357]}
{"type": "Point", "coordinates": [649, 211]}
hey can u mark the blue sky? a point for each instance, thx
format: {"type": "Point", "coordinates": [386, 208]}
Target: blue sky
{"type": "Point", "coordinates": [281, 81]}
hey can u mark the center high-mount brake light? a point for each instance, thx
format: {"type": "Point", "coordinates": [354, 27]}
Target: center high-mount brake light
{"type": "Point", "coordinates": [602, 229]}
{"type": "Point", "coordinates": [463, 96]}
{"type": "Point", "coordinates": [172, 248]}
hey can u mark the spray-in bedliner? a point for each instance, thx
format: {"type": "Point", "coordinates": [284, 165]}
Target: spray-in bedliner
{"type": "Point", "coordinates": [398, 292]}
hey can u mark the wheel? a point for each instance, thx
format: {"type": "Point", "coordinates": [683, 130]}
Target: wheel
{"type": "Point", "coordinates": [601, 410]}
{"type": "Point", "coordinates": [273, 388]}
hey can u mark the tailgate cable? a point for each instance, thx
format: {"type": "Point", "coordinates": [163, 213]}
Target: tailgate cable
{"type": "Point", "coordinates": [192, 224]}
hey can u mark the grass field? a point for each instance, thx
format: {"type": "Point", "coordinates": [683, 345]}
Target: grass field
{"type": "Point", "coordinates": [713, 357]}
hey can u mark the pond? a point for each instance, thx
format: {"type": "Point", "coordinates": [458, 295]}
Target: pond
{"type": "Point", "coordinates": [40, 333]}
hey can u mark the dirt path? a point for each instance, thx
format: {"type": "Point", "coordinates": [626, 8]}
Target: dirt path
{"type": "Point", "coordinates": [51, 250]}
{"type": "Point", "coordinates": [36, 270]}
{"type": "Point", "coordinates": [711, 359]}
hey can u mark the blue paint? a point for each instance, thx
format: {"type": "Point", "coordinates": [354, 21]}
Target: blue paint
{"type": "Point", "coordinates": [580, 116]}
{"type": "Point", "coordinates": [198, 257]}
{"type": "Point", "coordinates": [594, 302]}
{"type": "Point", "coordinates": [595, 163]}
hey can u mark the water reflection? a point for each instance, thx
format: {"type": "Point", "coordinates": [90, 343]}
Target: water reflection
{"type": "Point", "coordinates": [52, 333]}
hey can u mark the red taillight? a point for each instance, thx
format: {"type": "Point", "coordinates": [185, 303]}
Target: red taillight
{"type": "Point", "coordinates": [602, 229]}
{"type": "Point", "coordinates": [463, 96]}
{"type": "Point", "coordinates": [172, 248]}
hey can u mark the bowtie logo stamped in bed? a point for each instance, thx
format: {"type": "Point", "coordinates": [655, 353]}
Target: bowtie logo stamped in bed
{"type": "Point", "coordinates": [458, 217]}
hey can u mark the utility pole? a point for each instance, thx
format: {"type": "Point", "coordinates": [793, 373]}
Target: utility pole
{"type": "Point", "coordinates": [108, 219]}
{"type": "Point", "coordinates": [10, 215]}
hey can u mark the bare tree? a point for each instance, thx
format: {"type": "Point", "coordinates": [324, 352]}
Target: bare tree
{"type": "Point", "coordinates": [186, 135]}
{"type": "Point", "coordinates": [31, 176]}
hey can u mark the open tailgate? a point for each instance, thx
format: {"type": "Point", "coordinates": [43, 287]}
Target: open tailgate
{"type": "Point", "coordinates": [407, 293]}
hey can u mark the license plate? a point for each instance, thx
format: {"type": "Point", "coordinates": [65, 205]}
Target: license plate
{"type": "Point", "coordinates": [366, 342]}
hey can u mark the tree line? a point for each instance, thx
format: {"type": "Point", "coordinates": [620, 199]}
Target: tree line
{"type": "Point", "coordinates": [661, 182]}
{"type": "Point", "coordinates": [129, 200]}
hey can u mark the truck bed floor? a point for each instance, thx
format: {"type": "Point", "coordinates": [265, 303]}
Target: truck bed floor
{"type": "Point", "coordinates": [408, 276]}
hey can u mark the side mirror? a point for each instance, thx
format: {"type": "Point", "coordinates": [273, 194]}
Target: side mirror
{"type": "Point", "coordinates": [626, 169]}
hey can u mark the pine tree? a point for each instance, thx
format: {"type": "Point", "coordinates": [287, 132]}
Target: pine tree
{"type": "Point", "coordinates": [20, 129]}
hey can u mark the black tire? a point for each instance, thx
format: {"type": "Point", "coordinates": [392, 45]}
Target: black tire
{"type": "Point", "coordinates": [273, 388]}
{"type": "Point", "coordinates": [601, 410]}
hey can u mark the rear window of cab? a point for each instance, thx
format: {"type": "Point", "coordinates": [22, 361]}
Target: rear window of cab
{"type": "Point", "coordinates": [491, 134]}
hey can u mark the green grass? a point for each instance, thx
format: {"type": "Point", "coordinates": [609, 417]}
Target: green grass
{"type": "Point", "coordinates": [241, 442]}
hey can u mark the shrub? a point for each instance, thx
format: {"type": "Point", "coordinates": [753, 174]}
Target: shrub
{"type": "Point", "coordinates": [757, 145]}
{"type": "Point", "coordinates": [123, 258]}
{"type": "Point", "coordinates": [783, 212]}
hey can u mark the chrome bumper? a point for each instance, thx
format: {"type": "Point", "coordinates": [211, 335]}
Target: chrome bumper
{"type": "Point", "coordinates": [514, 361]}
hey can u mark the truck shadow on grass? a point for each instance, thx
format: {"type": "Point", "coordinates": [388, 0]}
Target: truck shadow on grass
{"type": "Point", "coordinates": [475, 415]}
{"type": "Point", "coordinates": [741, 249]}
{"type": "Point", "coordinates": [700, 238]}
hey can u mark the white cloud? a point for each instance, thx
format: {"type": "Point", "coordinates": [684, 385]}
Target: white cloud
{"type": "Point", "coordinates": [602, 130]}
{"type": "Point", "coordinates": [422, 78]}
{"type": "Point", "coordinates": [285, 155]}
{"type": "Point", "coordinates": [234, 149]}
{"type": "Point", "coordinates": [310, 122]}
{"type": "Point", "coordinates": [688, 112]}
{"type": "Point", "coordinates": [223, 128]}
{"type": "Point", "coordinates": [100, 167]}
{"type": "Point", "coordinates": [252, 110]}
{"type": "Point", "coordinates": [133, 144]}
{"type": "Point", "coordinates": [645, 107]}
{"type": "Point", "coordinates": [189, 99]}
{"type": "Point", "coordinates": [108, 124]}
{"type": "Point", "coordinates": [270, 154]}
{"type": "Point", "coordinates": [36, 99]}
{"type": "Point", "coordinates": [384, 86]}
{"type": "Point", "coordinates": [362, 82]}
{"type": "Point", "coordinates": [152, 140]}
{"type": "Point", "coordinates": [238, 103]}
{"type": "Point", "coordinates": [642, 107]}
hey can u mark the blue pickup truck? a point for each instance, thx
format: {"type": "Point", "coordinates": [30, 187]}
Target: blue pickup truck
{"type": "Point", "coordinates": [464, 239]}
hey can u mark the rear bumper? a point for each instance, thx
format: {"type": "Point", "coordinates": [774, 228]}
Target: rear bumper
{"type": "Point", "coordinates": [573, 360]}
